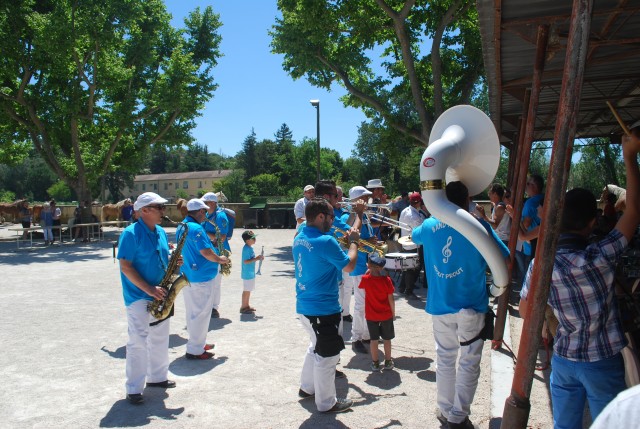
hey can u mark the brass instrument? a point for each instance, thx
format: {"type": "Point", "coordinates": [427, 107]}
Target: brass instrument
{"type": "Point", "coordinates": [463, 146]}
{"type": "Point", "coordinates": [172, 282]}
{"type": "Point", "coordinates": [225, 269]}
{"type": "Point", "coordinates": [260, 263]}
{"type": "Point", "coordinates": [364, 246]}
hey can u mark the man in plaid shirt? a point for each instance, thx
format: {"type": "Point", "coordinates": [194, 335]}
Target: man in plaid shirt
{"type": "Point", "coordinates": [587, 363]}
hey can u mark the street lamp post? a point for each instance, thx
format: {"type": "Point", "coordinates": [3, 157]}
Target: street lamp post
{"type": "Point", "coordinates": [316, 104]}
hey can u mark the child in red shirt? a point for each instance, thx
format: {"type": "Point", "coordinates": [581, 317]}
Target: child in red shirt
{"type": "Point", "coordinates": [379, 309]}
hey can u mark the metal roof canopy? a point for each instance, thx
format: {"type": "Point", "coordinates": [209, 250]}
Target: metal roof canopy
{"type": "Point", "coordinates": [612, 73]}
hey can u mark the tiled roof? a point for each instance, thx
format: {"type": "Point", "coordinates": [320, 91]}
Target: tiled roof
{"type": "Point", "coordinates": [215, 174]}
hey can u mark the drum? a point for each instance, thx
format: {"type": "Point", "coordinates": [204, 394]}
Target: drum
{"type": "Point", "coordinates": [401, 261]}
{"type": "Point", "coordinates": [406, 243]}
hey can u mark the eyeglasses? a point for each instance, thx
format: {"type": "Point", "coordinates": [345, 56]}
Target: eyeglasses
{"type": "Point", "coordinates": [158, 207]}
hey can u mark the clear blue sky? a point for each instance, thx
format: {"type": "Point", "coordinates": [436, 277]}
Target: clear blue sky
{"type": "Point", "coordinates": [255, 92]}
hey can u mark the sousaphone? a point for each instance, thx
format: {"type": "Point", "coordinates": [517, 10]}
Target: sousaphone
{"type": "Point", "coordinates": [464, 147]}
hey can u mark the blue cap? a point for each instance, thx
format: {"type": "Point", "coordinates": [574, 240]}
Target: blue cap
{"type": "Point", "coordinates": [376, 260]}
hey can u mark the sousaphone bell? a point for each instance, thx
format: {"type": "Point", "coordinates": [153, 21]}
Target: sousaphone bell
{"type": "Point", "coordinates": [464, 147]}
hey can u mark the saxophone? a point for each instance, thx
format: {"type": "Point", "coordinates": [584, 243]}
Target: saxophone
{"type": "Point", "coordinates": [225, 269]}
{"type": "Point", "coordinates": [172, 282]}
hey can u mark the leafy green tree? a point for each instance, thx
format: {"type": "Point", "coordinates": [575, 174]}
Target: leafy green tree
{"type": "Point", "coordinates": [263, 185]}
{"type": "Point", "coordinates": [92, 84]}
{"type": "Point", "coordinates": [266, 155]}
{"type": "Point", "coordinates": [247, 155]}
{"type": "Point", "coordinates": [60, 192]}
{"type": "Point", "coordinates": [233, 186]}
{"type": "Point", "coordinates": [7, 196]}
{"type": "Point", "coordinates": [600, 164]}
{"type": "Point", "coordinates": [284, 160]}
{"type": "Point", "coordinates": [402, 62]}
{"type": "Point", "coordinates": [197, 158]}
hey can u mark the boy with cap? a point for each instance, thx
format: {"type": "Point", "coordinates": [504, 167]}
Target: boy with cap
{"type": "Point", "coordinates": [248, 273]}
{"type": "Point", "coordinates": [380, 309]}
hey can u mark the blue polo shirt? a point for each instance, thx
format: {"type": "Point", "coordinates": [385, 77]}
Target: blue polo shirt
{"type": "Point", "coordinates": [317, 259]}
{"type": "Point", "coordinates": [530, 209]}
{"type": "Point", "coordinates": [148, 251]}
{"type": "Point", "coordinates": [222, 221]}
{"type": "Point", "coordinates": [196, 267]}
{"type": "Point", "coordinates": [366, 231]}
{"type": "Point", "coordinates": [456, 271]}
{"type": "Point", "coordinates": [248, 271]}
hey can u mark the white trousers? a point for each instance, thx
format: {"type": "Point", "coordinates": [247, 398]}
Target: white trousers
{"type": "Point", "coordinates": [318, 373]}
{"type": "Point", "coordinates": [147, 348]}
{"type": "Point", "coordinates": [359, 330]}
{"type": "Point", "coordinates": [457, 388]}
{"type": "Point", "coordinates": [198, 300]}
{"type": "Point", "coordinates": [217, 281]}
{"type": "Point", "coordinates": [346, 290]}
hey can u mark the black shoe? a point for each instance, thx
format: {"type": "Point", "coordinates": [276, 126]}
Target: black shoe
{"type": "Point", "coordinates": [401, 290]}
{"type": "Point", "coordinates": [203, 356]}
{"type": "Point", "coordinates": [305, 395]}
{"type": "Point", "coordinates": [135, 398]}
{"type": "Point", "coordinates": [342, 404]}
{"type": "Point", "coordinates": [411, 296]}
{"type": "Point", "coordinates": [215, 314]}
{"type": "Point", "coordinates": [167, 384]}
{"type": "Point", "coordinates": [359, 347]}
{"type": "Point", "coordinates": [340, 374]}
{"type": "Point", "coordinates": [347, 318]}
{"type": "Point", "coordinates": [465, 424]}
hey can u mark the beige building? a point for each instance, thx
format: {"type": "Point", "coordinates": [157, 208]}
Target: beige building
{"type": "Point", "coordinates": [168, 185]}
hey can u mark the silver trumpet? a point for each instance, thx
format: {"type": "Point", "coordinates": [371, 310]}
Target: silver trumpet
{"type": "Point", "coordinates": [260, 263]}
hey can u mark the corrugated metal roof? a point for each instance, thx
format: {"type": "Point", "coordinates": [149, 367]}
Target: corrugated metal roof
{"type": "Point", "coordinates": [215, 174]}
{"type": "Point", "coordinates": [612, 73]}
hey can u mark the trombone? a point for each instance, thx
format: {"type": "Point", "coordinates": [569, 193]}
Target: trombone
{"type": "Point", "coordinates": [364, 246]}
{"type": "Point", "coordinates": [390, 221]}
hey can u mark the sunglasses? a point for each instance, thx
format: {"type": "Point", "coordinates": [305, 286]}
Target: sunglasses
{"type": "Point", "coordinates": [157, 206]}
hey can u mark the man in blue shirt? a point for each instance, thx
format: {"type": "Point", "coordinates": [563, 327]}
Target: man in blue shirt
{"type": "Point", "coordinates": [457, 300]}
{"type": "Point", "coordinates": [328, 190]}
{"type": "Point", "coordinates": [318, 260]}
{"type": "Point", "coordinates": [359, 330]}
{"type": "Point", "coordinates": [143, 253]}
{"type": "Point", "coordinates": [222, 222]}
{"type": "Point", "coordinates": [529, 221]}
{"type": "Point", "coordinates": [200, 266]}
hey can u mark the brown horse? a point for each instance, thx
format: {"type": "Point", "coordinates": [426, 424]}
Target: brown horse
{"type": "Point", "coordinates": [10, 210]}
{"type": "Point", "coordinates": [35, 212]}
{"type": "Point", "coordinates": [113, 210]}
{"type": "Point", "coordinates": [181, 205]}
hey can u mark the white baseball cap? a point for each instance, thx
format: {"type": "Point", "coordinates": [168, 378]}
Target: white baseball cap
{"type": "Point", "coordinates": [309, 188]}
{"type": "Point", "coordinates": [196, 204]}
{"type": "Point", "coordinates": [210, 196]}
{"type": "Point", "coordinates": [358, 191]}
{"type": "Point", "coordinates": [146, 199]}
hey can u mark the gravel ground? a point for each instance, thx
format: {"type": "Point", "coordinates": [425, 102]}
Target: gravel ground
{"type": "Point", "coordinates": [64, 353]}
